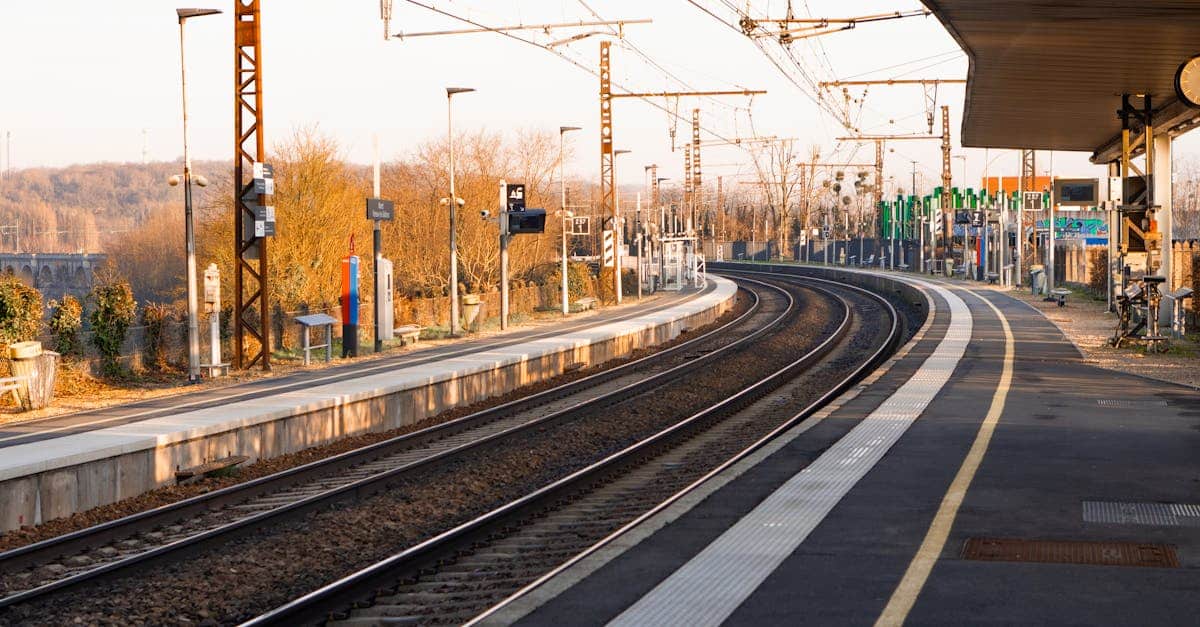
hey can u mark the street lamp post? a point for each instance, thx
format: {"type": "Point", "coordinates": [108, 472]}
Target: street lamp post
{"type": "Point", "coordinates": [618, 231]}
{"type": "Point", "coordinates": [454, 202]}
{"type": "Point", "coordinates": [562, 203]}
{"type": "Point", "coordinates": [189, 230]}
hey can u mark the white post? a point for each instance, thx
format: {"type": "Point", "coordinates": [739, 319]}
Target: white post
{"type": "Point", "coordinates": [1162, 197]}
{"type": "Point", "coordinates": [453, 204]}
{"type": "Point", "coordinates": [638, 237]}
{"type": "Point", "coordinates": [377, 246]}
{"type": "Point", "coordinates": [214, 338]}
{"type": "Point", "coordinates": [1050, 244]}
{"type": "Point", "coordinates": [618, 232]}
{"type": "Point", "coordinates": [503, 219]}
{"type": "Point", "coordinates": [193, 330]}
{"type": "Point", "coordinates": [562, 206]}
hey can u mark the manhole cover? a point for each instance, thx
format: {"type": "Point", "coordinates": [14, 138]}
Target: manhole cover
{"type": "Point", "coordinates": [1129, 404]}
{"type": "Point", "coordinates": [1156, 514]}
{"type": "Point", "coordinates": [1071, 552]}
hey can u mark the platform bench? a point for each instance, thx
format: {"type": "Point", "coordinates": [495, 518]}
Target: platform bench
{"type": "Point", "coordinates": [1060, 295]}
{"type": "Point", "coordinates": [584, 304]}
{"type": "Point", "coordinates": [992, 278]}
{"type": "Point", "coordinates": [408, 334]}
{"type": "Point", "coordinates": [319, 321]}
{"type": "Point", "coordinates": [16, 385]}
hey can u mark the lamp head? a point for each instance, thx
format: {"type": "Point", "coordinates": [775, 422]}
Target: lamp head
{"type": "Point", "coordinates": [564, 129]}
{"type": "Point", "coordinates": [450, 91]}
{"type": "Point", "coordinates": [174, 180]}
{"type": "Point", "coordinates": [188, 13]}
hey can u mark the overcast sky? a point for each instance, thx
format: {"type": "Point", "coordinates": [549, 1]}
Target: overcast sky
{"type": "Point", "coordinates": [82, 79]}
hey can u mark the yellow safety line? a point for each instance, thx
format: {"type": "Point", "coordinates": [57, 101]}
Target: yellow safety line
{"type": "Point", "coordinates": [906, 593]}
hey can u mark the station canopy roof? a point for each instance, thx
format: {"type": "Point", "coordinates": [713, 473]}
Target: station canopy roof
{"type": "Point", "coordinates": [1049, 75]}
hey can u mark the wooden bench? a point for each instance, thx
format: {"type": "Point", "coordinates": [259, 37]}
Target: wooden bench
{"type": "Point", "coordinates": [584, 304]}
{"type": "Point", "coordinates": [316, 320]}
{"type": "Point", "coordinates": [408, 334]}
{"type": "Point", "coordinates": [186, 474]}
{"type": "Point", "coordinates": [1060, 295]}
{"type": "Point", "coordinates": [16, 385]}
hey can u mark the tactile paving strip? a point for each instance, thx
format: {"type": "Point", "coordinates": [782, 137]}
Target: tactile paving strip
{"type": "Point", "coordinates": [1124, 403]}
{"type": "Point", "coordinates": [707, 589]}
{"type": "Point", "coordinates": [1156, 514]}
{"type": "Point", "coordinates": [1071, 552]}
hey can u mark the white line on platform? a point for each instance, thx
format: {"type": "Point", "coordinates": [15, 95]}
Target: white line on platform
{"type": "Point", "coordinates": [307, 383]}
{"type": "Point", "coordinates": [909, 588]}
{"type": "Point", "coordinates": [707, 589]}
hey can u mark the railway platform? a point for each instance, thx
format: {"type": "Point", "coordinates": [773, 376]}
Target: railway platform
{"type": "Point", "coordinates": [55, 467]}
{"type": "Point", "coordinates": [985, 475]}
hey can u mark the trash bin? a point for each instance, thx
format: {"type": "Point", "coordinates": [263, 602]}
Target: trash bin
{"type": "Point", "coordinates": [470, 314]}
{"type": "Point", "coordinates": [1037, 279]}
{"type": "Point", "coordinates": [39, 368]}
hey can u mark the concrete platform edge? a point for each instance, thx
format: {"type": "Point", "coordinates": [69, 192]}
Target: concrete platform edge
{"type": "Point", "coordinates": [45, 480]}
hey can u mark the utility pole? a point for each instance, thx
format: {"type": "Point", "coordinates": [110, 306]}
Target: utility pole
{"type": "Point", "coordinates": [1027, 184]}
{"type": "Point", "coordinates": [878, 195]}
{"type": "Point", "coordinates": [503, 209]}
{"type": "Point", "coordinates": [688, 179]}
{"type": "Point", "coordinates": [720, 232]}
{"type": "Point", "coordinates": [947, 223]}
{"type": "Point", "coordinates": [607, 174]}
{"type": "Point", "coordinates": [251, 311]}
{"type": "Point", "coordinates": [697, 182]}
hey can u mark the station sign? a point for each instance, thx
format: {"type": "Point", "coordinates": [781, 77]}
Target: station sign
{"type": "Point", "coordinates": [379, 209]}
{"type": "Point", "coordinates": [516, 197]}
{"type": "Point", "coordinates": [264, 178]}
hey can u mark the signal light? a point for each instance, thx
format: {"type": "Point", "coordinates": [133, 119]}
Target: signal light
{"type": "Point", "coordinates": [527, 221]}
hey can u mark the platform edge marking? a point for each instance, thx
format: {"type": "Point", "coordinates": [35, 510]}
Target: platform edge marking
{"type": "Point", "coordinates": [905, 595]}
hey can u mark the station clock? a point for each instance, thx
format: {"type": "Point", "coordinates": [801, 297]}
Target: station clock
{"type": "Point", "coordinates": [1187, 82]}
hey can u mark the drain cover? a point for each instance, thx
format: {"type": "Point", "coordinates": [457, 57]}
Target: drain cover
{"type": "Point", "coordinates": [1071, 552]}
{"type": "Point", "coordinates": [1156, 514]}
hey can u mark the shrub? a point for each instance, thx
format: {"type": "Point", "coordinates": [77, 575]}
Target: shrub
{"type": "Point", "coordinates": [66, 321]}
{"type": "Point", "coordinates": [579, 281]}
{"type": "Point", "coordinates": [114, 312]}
{"type": "Point", "coordinates": [154, 318]}
{"type": "Point", "coordinates": [605, 284]}
{"type": "Point", "coordinates": [20, 311]}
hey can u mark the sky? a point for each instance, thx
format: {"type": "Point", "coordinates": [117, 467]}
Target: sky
{"type": "Point", "coordinates": [89, 81]}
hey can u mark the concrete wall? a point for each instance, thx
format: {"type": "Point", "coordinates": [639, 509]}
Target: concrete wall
{"type": "Point", "coordinates": [33, 497]}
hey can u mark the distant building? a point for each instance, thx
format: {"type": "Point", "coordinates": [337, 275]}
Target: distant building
{"type": "Point", "coordinates": [54, 274]}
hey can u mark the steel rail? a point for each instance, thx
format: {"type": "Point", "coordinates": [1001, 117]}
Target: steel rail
{"type": "Point", "coordinates": [319, 604]}
{"type": "Point", "coordinates": [355, 490]}
{"type": "Point", "coordinates": [886, 348]}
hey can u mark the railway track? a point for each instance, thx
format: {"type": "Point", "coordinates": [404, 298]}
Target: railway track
{"type": "Point", "coordinates": [175, 531]}
{"type": "Point", "coordinates": [464, 573]}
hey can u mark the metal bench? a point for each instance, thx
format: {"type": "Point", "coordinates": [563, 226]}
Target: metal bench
{"type": "Point", "coordinates": [992, 278]}
{"type": "Point", "coordinates": [316, 320]}
{"type": "Point", "coordinates": [583, 304]}
{"type": "Point", "coordinates": [1060, 295]}
{"type": "Point", "coordinates": [408, 334]}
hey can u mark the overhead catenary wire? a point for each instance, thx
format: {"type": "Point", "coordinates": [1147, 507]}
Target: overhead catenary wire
{"type": "Point", "coordinates": [562, 56]}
